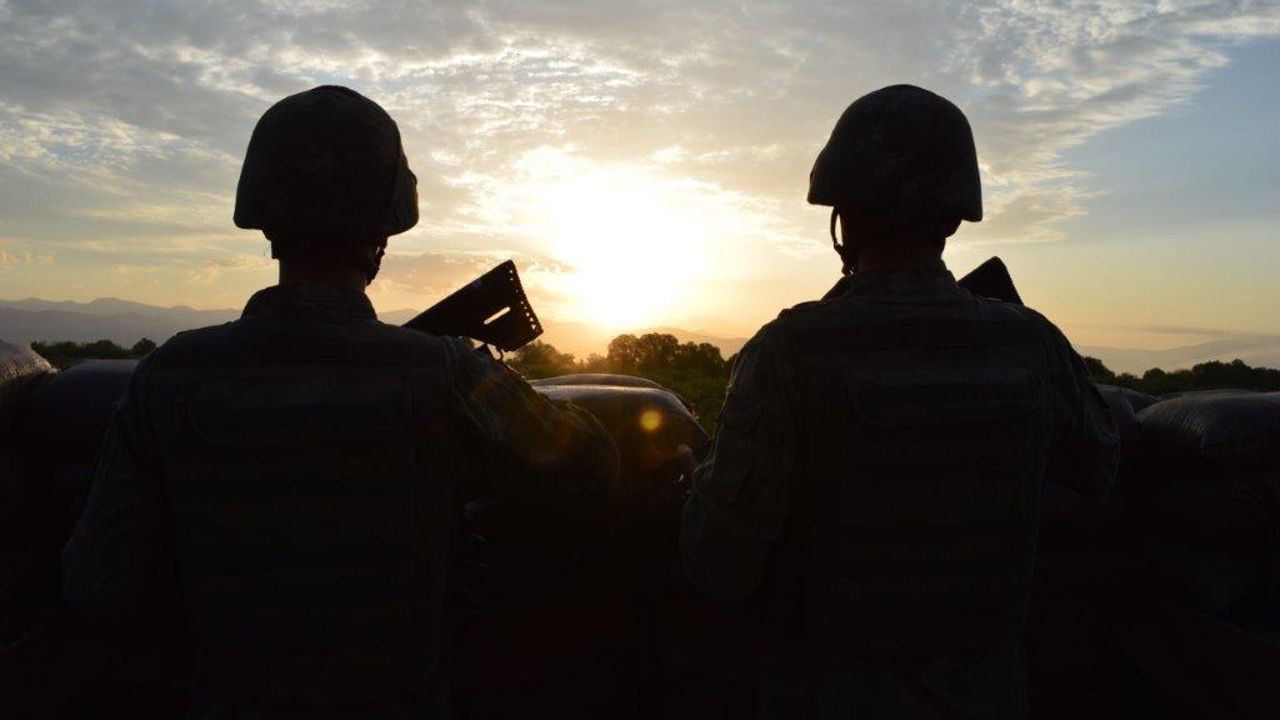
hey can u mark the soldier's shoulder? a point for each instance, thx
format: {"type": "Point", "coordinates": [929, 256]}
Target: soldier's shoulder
{"type": "Point", "coordinates": [1026, 316]}
{"type": "Point", "coordinates": [799, 310]}
{"type": "Point", "coordinates": [776, 336]}
{"type": "Point", "coordinates": [992, 308]}
{"type": "Point", "coordinates": [408, 337]}
{"type": "Point", "coordinates": [188, 342]}
{"type": "Point", "coordinates": [383, 342]}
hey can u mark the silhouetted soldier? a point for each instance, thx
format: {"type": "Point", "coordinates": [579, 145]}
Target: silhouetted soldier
{"type": "Point", "coordinates": [302, 467]}
{"type": "Point", "coordinates": [881, 453]}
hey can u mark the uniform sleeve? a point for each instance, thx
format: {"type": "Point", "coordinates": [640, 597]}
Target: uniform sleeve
{"type": "Point", "coordinates": [1086, 449]}
{"type": "Point", "coordinates": [737, 508]}
{"type": "Point", "coordinates": [111, 563]}
{"type": "Point", "coordinates": [525, 441]}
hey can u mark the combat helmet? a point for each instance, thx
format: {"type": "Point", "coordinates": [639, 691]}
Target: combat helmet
{"type": "Point", "coordinates": [899, 153]}
{"type": "Point", "coordinates": [325, 175]}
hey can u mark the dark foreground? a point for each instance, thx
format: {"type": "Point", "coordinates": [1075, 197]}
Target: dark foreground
{"type": "Point", "coordinates": [1160, 601]}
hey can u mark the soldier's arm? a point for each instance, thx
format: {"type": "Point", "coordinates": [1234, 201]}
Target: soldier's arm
{"type": "Point", "coordinates": [1086, 450]}
{"type": "Point", "coordinates": [517, 434]}
{"type": "Point", "coordinates": [738, 505]}
{"type": "Point", "coordinates": [110, 565]}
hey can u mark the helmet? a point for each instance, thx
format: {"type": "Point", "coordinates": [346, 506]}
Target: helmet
{"type": "Point", "coordinates": [900, 152]}
{"type": "Point", "coordinates": [325, 171]}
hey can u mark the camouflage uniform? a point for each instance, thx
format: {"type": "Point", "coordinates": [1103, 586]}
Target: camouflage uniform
{"type": "Point", "coordinates": [878, 469]}
{"type": "Point", "coordinates": [302, 471]}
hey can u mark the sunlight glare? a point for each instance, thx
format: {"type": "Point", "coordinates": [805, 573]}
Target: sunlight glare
{"type": "Point", "coordinates": [637, 243]}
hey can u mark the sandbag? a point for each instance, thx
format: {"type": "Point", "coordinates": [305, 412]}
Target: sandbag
{"type": "Point", "coordinates": [1209, 538]}
{"type": "Point", "coordinates": [28, 583]}
{"type": "Point", "coordinates": [1139, 400]}
{"type": "Point", "coordinates": [69, 414]}
{"type": "Point", "coordinates": [21, 371]}
{"type": "Point", "coordinates": [62, 489]}
{"type": "Point", "coordinates": [602, 379]}
{"type": "Point", "coordinates": [648, 425]}
{"type": "Point", "coordinates": [20, 511]}
{"type": "Point", "coordinates": [1121, 409]}
{"type": "Point", "coordinates": [1221, 580]}
{"type": "Point", "coordinates": [1235, 429]}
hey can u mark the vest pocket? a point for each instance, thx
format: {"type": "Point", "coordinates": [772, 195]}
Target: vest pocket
{"type": "Point", "coordinates": [734, 461]}
{"type": "Point", "coordinates": [950, 395]}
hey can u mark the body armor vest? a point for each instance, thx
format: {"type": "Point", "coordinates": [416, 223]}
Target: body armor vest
{"type": "Point", "coordinates": [926, 433]}
{"type": "Point", "coordinates": [309, 480]}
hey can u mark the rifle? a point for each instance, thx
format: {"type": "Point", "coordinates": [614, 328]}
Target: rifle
{"type": "Point", "coordinates": [492, 309]}
{"type": "Point", "coordinates": [990, 280]}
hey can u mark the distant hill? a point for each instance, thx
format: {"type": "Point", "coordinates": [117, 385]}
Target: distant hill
{"type": "Point", "coordinates": [121, 321]}
{"type": "Point", "coordinates": [126, 322]}
{"type": "Point", "coordinates": [1258, 351]}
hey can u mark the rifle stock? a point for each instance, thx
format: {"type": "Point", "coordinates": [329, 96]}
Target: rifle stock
{"type": "Point", "coordinates": [492, 309]}
{"type": "Point", "coordinates": [991, 280]}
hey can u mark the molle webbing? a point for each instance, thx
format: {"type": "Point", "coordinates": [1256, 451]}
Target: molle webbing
{"type": "Point", "coordinates": [310, 485]}
{"type": "Point", "coordinates": [926, 441]}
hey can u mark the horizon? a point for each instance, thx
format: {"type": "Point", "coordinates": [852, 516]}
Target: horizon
{"type": "Point", "coordinates": [582, 340]}
{"type": "Point", "coordinates": [646, 166]}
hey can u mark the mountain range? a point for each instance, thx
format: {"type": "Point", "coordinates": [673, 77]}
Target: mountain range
{"type": "Point", "coordinates": [126, 322]}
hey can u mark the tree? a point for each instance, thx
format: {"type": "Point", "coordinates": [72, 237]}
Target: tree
{"type": "Point", "coordinates": [1213, 375]}
{"type": "Point", "coordinates": [1097, 371]}
{"type": "Point", "coordinates": [143, 347]}
{"type": "Point", "coordinates": [540, 360]}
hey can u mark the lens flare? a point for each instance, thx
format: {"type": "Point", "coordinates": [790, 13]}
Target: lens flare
{"type": "Point", "coordinates": [650, 420]}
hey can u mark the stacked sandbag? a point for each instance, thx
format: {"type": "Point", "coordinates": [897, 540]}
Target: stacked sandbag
{"type": "Point", "coordinates": [54, 430]}
{"type": "Point", "coordinates": [648, 423]}
{"type": "Point", "coordinates": [63, 423]}
{"type": "Point", "coordinates": [25, 577]}
{"type": "Point", "coordinates": [599, 379]}
{"type": "Point", "coordinates": [1204, 502]}
{"type": "Point", "coordinates": [21, 371]}
{"type": "Point", "coordinates": [1138, 400]}
{"type": "Point", "coordinates": [562, 614]}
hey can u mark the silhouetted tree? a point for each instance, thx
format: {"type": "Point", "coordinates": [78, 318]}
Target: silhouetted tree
{"type": "Point", "coordinates": [142, 347]}
{"type": "Point", "coordinates": [1097, 371]}
{"type": "Point", "coordinates": [65, 353]}
{"type": "Point", "coordinates": [540, 360]}
{"type": "Point", "coordinates": [1213, 375]}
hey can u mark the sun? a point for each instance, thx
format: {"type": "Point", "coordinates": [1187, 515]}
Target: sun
{"type": "Point", "coordinates": [636, 244]}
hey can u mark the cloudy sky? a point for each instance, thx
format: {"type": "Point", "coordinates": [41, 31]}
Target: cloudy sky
{"type": "Point", "coordinates": [646, 161]}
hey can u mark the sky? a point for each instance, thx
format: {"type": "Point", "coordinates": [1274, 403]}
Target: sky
{"type": "Point", "coordinates": [646, 162]}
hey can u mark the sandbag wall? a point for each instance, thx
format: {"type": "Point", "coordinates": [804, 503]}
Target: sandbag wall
{"type": "Point", "coordinates": [1190, 530]}
{"type": "Point", "coordinates": [1203, 504]}
{"type": "Point", "coordinates": [567, 617]}
{"type": "Point", "coordinates": [25, 553]}
{"type": "Point", "coordinates": [53, 423]}
{"type": "Point", "coordinates": [1196, 507]}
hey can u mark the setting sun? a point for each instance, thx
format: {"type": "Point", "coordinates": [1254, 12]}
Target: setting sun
{"type": "Point", "coordinates": [636, 244]}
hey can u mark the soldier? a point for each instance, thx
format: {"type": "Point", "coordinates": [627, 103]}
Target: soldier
{"type": "Point", "coordinates": [297, 474]}
{"type": "Point", "coordinates": [881, 453]}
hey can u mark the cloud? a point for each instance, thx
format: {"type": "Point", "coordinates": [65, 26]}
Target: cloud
{"type": "Point", "coordinates": [26, 257]}
{"type": "Point", "coordinates": [122, 124]}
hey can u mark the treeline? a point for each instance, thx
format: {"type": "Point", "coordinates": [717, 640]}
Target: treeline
{"type": "Point", "coordinates": [65, 353]}
{"type": "Point", "coordinates": [1213, 375]}
{"type": "Point", "coordinates": [695, 371]}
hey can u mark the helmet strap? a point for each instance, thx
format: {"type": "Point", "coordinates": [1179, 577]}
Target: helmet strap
{"type": "Point", "coordinates": [848, 266]}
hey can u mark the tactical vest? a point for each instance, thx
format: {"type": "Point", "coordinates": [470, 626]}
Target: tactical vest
{"type": "Point", "coordinates": [926, 433]}
{"type": "Point", "coordinates": [308, 473]}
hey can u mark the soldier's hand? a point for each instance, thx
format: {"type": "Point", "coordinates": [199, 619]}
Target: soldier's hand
{"type": "Point", "coordinates": [686, 463]}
